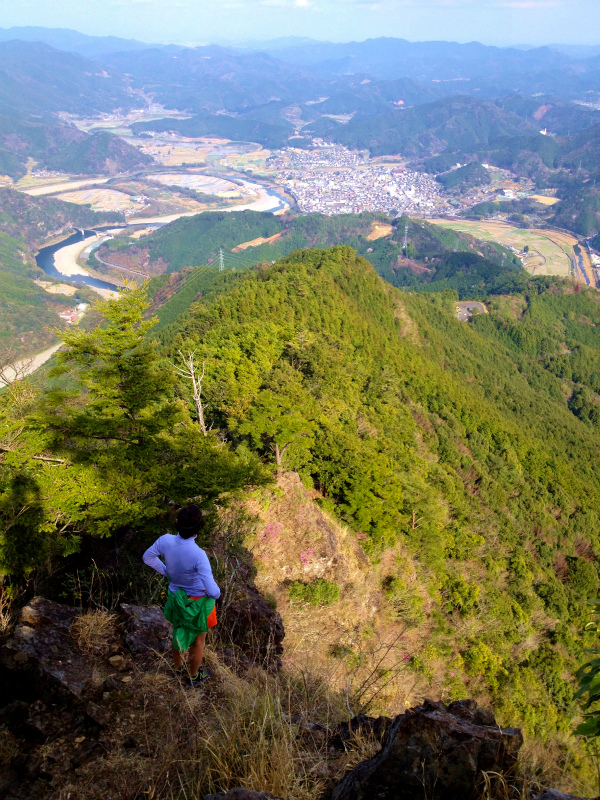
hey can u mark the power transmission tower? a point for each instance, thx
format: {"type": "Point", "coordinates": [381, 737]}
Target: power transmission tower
{"type": "Point", "coordinates": [221, 260]}
{"type": "Point", "coordinates": [405, 245]}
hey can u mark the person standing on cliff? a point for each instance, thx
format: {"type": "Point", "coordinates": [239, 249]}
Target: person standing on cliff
{"type": "Point", "coordinates": [190, 606]}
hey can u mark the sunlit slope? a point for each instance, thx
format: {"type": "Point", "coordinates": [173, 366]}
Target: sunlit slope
{"type": "Point", "coordinates": [450, 441]}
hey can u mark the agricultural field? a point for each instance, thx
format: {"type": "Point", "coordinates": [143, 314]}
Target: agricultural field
{"type": "Point", "coordinates": [206, 184]}
{"type": "Point", "coordinates": [544, 199]}
{"type": "Point", "coordinates": [102, 200]}
{"type": "Point", "coordinates": [256, 160]}
{"type": "Point", "coordinates": [178, 152]}
{"type": "Point", "coordinates": [55, 185]}
{"type": "Point", "coordinates": [550, 252]}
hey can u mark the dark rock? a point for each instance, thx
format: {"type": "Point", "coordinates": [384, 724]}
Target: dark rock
{"type": "Point", "coordinates": [241, 794]}
{"type": "Point", "coordinates": [248, 623]}
{"type": "Point", "coordinates": [360, 725]}
{"type": "Point", "coordinates": [42, 646]}
{"type": "Point", "coordinates": [552, 794]}
{"type": "Point", "coordinates": [432, 751]}
{"type": "Point", "coordinates": [147, 630]}
{"type": "Point", "coordinates": [100, 714]}
{"type": "Point", "coordinates": [467, 709]}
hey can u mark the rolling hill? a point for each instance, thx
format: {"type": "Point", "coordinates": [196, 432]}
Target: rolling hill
{"type": "Point", "coordinates": [99, 153]}
{"type": "Point", "coordinates": [214, 78]}
{"type": "Point", "coordinates": [435, 259]}
{"type": "Point", "coordinates": [62, 147]}
{"type": "Point", "coordinates": [428, 129]}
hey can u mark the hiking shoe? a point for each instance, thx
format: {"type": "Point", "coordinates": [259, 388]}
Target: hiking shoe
{"type": "Point", "coordinates": [179, 672]}
{"type": "Point", "coordinates": [199, 678]}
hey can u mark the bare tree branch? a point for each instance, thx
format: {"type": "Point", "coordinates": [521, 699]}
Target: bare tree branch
{"type": "Point", "coordinates": [189, 370]}
{"type": "Point", "coordinates": [13, 368]}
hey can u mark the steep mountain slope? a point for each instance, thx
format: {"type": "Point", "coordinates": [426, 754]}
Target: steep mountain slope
{"type": "Point", "coordinates": [458, 462]}
{"type": "Point", "coordinates": [451, 450]}
{"type": "Point", "coordinates": [552, 112]}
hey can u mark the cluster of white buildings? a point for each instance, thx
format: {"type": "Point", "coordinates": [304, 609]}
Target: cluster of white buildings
{"type": "Point", "coordinates": [330, 179]}
{"type": "Point", "coordinates": [324, 155]}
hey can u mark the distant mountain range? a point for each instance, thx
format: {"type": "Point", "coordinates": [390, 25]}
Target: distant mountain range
{"type": "Point", "coordinates": [388, 96]}
{"type": "Point", "coordinates": [73, 41]}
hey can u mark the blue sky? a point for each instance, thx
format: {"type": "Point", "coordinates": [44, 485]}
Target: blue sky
{"type": "Point", "coordinates": [500, 22]}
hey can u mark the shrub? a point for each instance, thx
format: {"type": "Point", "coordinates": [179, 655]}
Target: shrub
{"type": "Point", "coordinates": [583, 577]}
{"type": "Point", "coordinates": [318, 593]}
{"type": "Point", "coordinates": [481, 660]}
{"type": "Point", "coordinates": [407, 604]}
{"type": "Point", "coordinates": [460, 595]}
{"type": "Point", "coordinates": [554, 597]}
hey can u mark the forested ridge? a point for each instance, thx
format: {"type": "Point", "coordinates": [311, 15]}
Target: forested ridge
{"type": "Point", "coordinates": [469, 450]}
{"type": "Point", "coordinates": [434, 257]}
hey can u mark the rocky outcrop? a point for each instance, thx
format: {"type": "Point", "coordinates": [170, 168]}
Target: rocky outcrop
{"type": "Point", "coordinates": [360, 725]}
{"type": "Point", "coordinates": [250, 628]}
{"type": "Point", "coordinates": [434, 750]}
{"type": "Point", "coordinates": [43, 648]}
{"type": "Point", "coordinates": [147, 629]}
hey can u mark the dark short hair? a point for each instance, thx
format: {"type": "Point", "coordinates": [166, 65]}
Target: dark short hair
{"type": "Point", "coordinates": [189, 521]}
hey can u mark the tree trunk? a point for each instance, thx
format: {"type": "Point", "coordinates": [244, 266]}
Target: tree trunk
{"type": "Point", "coordinates": [278, 455]}
{"type": "Point", "coordinates": [200, 413]}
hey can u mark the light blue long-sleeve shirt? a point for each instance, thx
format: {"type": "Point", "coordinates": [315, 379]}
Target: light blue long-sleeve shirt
{"type": "Point", "coordinates": [185, 564]}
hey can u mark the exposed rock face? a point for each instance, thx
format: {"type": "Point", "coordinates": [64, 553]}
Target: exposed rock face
{"type": "Point", "coordinates": [254, 628]}
{"type": "Point", "coordinates": [242, 794]}
{"type": "Point", "coordinates": [147, 629]}
{"type": "Point", "coordinates": [360, 725]}
{"type": "Point", "coordinates": [41, 646]}
{"type": "Point", "coordinates": [434, 750]}
{"type": "Point", "coordinates": [552, 794]}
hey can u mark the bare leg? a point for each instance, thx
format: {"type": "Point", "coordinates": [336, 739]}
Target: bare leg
{"type": "Point", "coordinates": [196, 654]}
{"type": "Point", "coordinates": [177, 658]}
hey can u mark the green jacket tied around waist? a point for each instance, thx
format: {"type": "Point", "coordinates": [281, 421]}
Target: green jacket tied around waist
{"type": "Point", "coordinates": [188, 617]}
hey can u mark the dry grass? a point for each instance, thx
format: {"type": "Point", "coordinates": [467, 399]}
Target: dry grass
{"type": "Point", "coordinates": [8, 615]}
{"type": "Point", "coordinates": [503, 787]}
{"type": "Point", "coordinates": [259, 731]}
{"type": "Point", "coordinates": [93, 630]}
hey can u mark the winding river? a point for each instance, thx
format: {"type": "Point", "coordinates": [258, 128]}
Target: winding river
{"type": "Point", "coordinates": [45, 261]}
{"type": "Point", "coordinates": [266, 200]}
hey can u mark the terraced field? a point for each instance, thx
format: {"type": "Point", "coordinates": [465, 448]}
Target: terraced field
{"type": "Point", "coordinates": [550, 252]}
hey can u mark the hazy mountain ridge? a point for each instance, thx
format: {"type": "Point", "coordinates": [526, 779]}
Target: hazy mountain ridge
{"type": "Point", "coordinates": [37, 79]}
{"type": "Point", "coordinates": [72, 41]}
